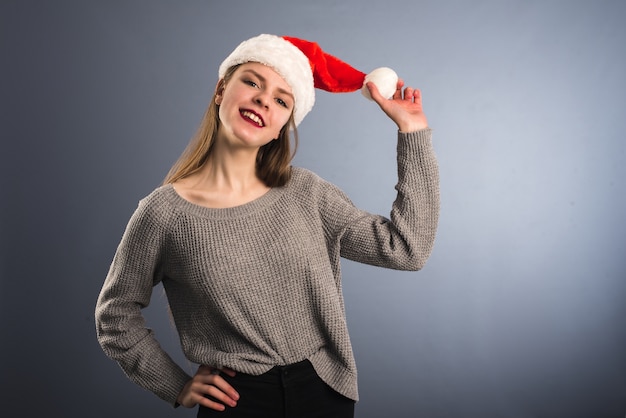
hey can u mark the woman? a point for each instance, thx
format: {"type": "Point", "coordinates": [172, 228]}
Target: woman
{"type": "Point", "coordinates": [248, 248]}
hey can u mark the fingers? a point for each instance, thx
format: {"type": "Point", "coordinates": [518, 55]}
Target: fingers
{"type": "Point", "coordinates": [409, 94]}
{"type": "Point", "coordinates": [216, 386]}
{"type": "Point", "coordinates": [209, 389]}
{"type": "Point", "coordinates": [216, 395]}
{"type": "Point", "coordinates": [374, 93]}
{"type": "Point", "coordinates": [417, 97]}
{"type": "Point", "coordinates": [228, 371]}
{"type": "Point", "coordinates": [404, 108]}
{"type": "Point", "coordinates": [412, 95]}
{"type": "Point", "coordinates": [398, 93]}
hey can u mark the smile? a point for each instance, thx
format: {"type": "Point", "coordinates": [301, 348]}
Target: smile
{"type": "Point", "coordinates": [252, 117]}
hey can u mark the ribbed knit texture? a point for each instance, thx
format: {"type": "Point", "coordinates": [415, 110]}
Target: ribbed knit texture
{"type": "Point", "coordinates": [259, 285]}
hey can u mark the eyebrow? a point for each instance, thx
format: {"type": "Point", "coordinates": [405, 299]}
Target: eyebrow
{"type": "Point", "coordinates": [280, 89]}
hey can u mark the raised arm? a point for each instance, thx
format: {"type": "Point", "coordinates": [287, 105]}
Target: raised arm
{"type": "Point", "coordinates": [404, 240]}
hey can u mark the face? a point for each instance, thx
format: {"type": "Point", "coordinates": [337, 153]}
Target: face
{"type": "Point", "coordinates": [255, 104]}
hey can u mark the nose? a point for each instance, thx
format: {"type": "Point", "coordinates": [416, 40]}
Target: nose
{"type": "Point", "coordinates": [262, 99]}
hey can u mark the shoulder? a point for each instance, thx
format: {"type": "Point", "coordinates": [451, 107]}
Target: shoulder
{"type": "Point", "coordinates": [306, 182]}
{"type": "Point", "coordinates": [158, 206]}
{"type": "Point", "coordinates": [302, 177]}
{"type": "Point", "coordinates": [312, 186]}
{"type": "Point", "coordinates": [160, 197]}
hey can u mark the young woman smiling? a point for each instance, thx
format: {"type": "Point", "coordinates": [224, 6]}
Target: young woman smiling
{"type": "Point", "coordinates": [255, 105]}
{"type": "Point", "coordinates": [248, 247]}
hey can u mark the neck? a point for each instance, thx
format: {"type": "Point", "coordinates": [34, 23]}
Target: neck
{"type": "Point", "coordinates": [231, 164]}
{"type": "Point", "coordinates": [223, 181]}
{"type": "Point", "coordinates": [228, 178]}
{"type": "Point", "coordinates": [233, 171]}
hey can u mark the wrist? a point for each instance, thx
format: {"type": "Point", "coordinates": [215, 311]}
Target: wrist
{"type": "Point", "coordinates": [412, 125]}
{"type": "Point", "coordinates": [412, 128]}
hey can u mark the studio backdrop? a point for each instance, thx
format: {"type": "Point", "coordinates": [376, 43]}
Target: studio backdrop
{"type": "Point", "coordinates": [520, 311]}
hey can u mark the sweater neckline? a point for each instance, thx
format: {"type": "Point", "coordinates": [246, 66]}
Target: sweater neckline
{"type": "Point", "coordinates": [261, 202]}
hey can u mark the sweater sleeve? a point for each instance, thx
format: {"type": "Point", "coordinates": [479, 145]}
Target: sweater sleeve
{"type": "Point", "coordinates": [405, 240]}
{"type": "Point", "coordinates": [127, 289]}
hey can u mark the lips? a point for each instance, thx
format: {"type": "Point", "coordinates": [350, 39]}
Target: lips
{"type": "Point", "coordinates": [252, 117]}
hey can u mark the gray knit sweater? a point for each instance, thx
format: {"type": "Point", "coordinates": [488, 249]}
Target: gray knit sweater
{"type": "Point", "coordinates": [259, 285]}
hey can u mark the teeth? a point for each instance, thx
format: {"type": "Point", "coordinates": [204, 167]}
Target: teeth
{"type": "Point", "coordinates": [252, 117]}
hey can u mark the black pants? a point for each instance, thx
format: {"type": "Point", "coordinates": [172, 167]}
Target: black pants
{"type": "Point", "coordinates": [293, 391]}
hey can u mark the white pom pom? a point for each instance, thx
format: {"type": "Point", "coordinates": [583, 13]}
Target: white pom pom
{"type": "Point", "coordinates": [385, 79]}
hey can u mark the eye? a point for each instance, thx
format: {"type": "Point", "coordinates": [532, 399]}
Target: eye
{"type": "Point", "coordinates": [250, 83]}
{"type": "Point", "coordinates": [282, 103]}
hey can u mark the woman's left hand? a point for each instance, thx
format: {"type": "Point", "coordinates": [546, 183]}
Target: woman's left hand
{"type": "Point", "coordinates": [404, 108]}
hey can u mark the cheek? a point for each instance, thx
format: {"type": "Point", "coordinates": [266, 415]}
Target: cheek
{"type": "Point", "coordinates": [282, 121]}
{"type": "Point", "coordinates": [226, 112]}
{"type": "Point", "coordinates": [278, 121]}
{"type": "Point", "coordinates": [277, 133]}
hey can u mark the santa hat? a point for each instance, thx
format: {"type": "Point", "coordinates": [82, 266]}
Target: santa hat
{"type": "Point", "coordinates": [305, 66]}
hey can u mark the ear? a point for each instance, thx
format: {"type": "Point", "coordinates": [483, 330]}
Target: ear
{"type": "Point", "coordinates": [219, 91]}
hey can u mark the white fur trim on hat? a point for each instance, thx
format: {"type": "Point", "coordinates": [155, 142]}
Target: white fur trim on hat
{"type": "Point", "coordinates": [286, 59]}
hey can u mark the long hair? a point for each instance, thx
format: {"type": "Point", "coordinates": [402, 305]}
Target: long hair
{"type": "Point", "coordinates": [272, 161]}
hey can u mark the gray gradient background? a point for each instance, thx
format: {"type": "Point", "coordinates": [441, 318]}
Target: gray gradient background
{"type": "Point", "coordinates": [520, 311]}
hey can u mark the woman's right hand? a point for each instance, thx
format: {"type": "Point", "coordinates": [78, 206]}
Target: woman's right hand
{"type": "Point", "coordinates": [207, 381]}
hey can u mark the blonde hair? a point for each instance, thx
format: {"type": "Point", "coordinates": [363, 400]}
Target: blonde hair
{"type": "Point", "coordinates": [272, 161]}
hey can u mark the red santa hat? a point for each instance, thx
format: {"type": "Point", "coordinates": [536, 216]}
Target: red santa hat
{"type": "Point", "coordinates": [305, 66]}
